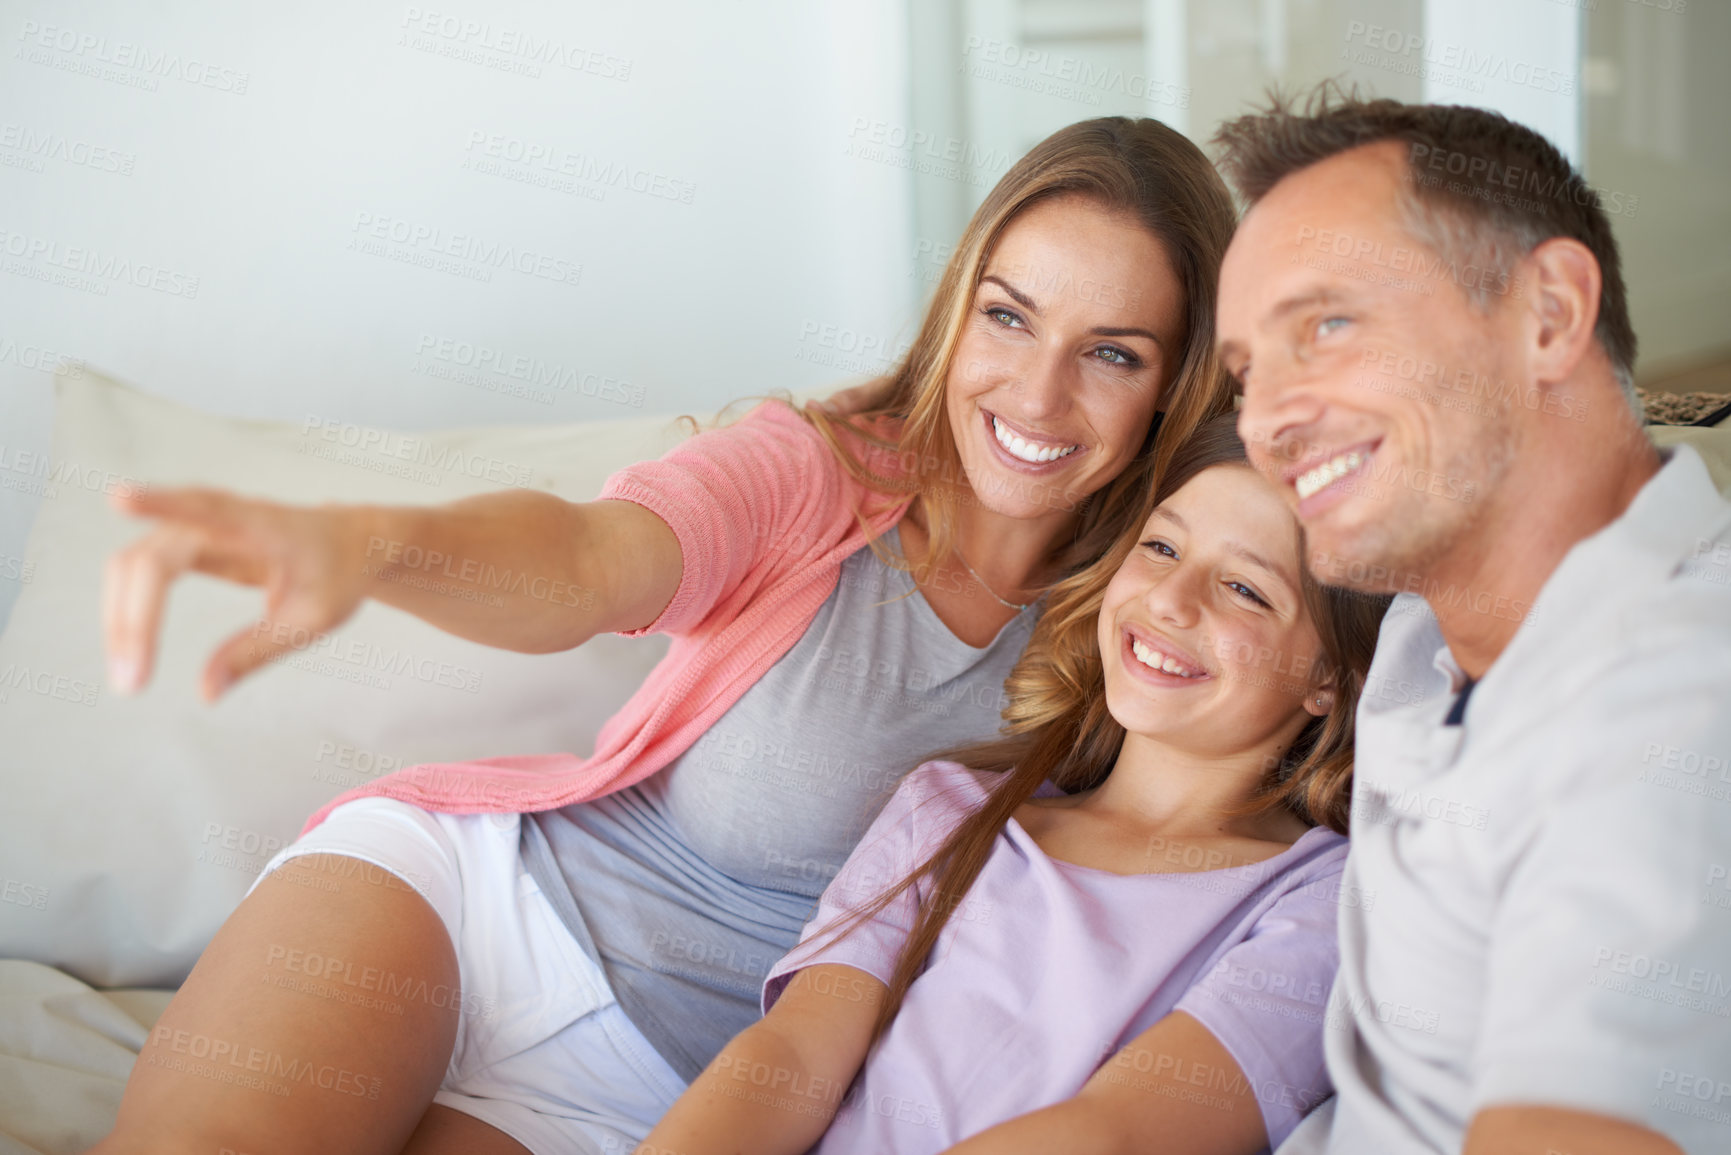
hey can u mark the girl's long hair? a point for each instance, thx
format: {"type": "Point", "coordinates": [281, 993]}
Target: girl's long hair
{"type": "Point", "coordinates": [1140, 168]}
{"type": "Point", "coordinates": [1058, 726]}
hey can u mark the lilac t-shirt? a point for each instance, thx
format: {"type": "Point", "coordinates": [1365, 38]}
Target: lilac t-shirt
{"type": "Point", "coordinates": [1046, 969]}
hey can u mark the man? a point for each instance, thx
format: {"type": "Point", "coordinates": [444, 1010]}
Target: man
{"type": "Point", "coordinates": [1425, 309]}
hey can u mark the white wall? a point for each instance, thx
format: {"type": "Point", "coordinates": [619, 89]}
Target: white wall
{"type": "Point", "coordinates": [1658, 148]}
{"type": "Point", "coordinates": [200, 197]}
{"type": "Point", "coordinates": [1522, 59]}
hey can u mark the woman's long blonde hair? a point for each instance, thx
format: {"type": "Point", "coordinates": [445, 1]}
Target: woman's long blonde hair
{"type": "Point", "coordinates": [1058, 726]}
{"type": "Point", "coordinates": [1138, 167]}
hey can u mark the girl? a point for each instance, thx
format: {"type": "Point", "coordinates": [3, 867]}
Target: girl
{"type": "Point", "coordinates": [842, 597]}
{"type": "Point", "coordinates": [1113, 929]}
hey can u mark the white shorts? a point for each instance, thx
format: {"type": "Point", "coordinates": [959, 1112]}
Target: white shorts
{"type": "Point", "coordinates": [543, 1051]}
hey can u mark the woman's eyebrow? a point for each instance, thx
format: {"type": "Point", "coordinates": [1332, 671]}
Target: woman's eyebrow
{"type": "Point", "coordinates": [1105, 332]}
{"type": "Point", "coordinates": [1016, 294]}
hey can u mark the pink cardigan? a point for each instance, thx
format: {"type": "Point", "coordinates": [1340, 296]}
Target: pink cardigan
{"type": "Point", "coordinates": [765, 515]}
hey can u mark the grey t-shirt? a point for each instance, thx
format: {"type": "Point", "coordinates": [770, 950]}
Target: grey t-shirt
{"type": "Point", "coordinates": [690, 885]}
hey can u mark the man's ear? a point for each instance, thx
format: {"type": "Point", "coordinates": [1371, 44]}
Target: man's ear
{"type": "Point", "coordinates": [1563, 282]}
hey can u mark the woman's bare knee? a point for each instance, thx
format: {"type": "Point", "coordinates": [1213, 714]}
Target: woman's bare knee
{"type": "Point", "coordinates": [321, 1018]}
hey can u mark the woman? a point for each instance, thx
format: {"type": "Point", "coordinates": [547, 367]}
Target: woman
{"type": "Point", "coordinates": [842, 597]}
{"type": "Point", "coordinates": [1137, 964]}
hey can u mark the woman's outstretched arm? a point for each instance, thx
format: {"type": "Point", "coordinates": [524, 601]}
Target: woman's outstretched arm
{"type": "Point", "coordinates": [519, 570]}
{"type": "Point", "coordinates": [776, 1086]}
{"type": "Point", "coordinates": [1174, 1089]}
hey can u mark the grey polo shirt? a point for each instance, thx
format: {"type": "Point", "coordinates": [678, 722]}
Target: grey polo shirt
{"type": "Point", "coordinates": [1547, 886]}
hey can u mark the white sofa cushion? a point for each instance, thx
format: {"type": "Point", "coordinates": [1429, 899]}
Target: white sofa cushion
{"type": "Point", "coordinates": [131, 827]}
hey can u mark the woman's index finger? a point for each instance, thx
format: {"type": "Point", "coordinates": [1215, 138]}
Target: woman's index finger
{"type": "Point", "coordinates": [195, 503]}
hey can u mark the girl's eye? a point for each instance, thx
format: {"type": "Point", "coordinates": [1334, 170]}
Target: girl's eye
{"type": "Point", "coordinates": [1160, 547]}
{"type": "Point", "coordinates": [1246, 592]}
{"type": "Point", "coordinates": [1113, 355]}
{"type": "Point", "coordinates": [1002, 316]}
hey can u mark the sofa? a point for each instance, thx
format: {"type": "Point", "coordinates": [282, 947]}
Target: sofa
{"type": "Point", "coordinates": [132, 826]}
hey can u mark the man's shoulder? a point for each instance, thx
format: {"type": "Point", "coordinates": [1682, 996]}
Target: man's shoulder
{"type": "Point", "coordinates": [1650, 703]}
{"type": "Point", "coordinates": [1669, 641]}
{"type": "Point", "coordinates": [1646, 625]}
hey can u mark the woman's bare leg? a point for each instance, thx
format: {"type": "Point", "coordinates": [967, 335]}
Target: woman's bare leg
{"type": "Point", "coordinates": [444, 1131]}
{"type": "Point", "coordinates": [319, 1020]}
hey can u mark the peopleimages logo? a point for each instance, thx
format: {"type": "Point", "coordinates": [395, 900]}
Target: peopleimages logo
{"type": "Point", "coordinates": [381, 446]}
{"type": "Point", "coordinates": [917, 150]}
{"type": "Point", "coordinates": [364, 656]}
{"type": "Point", "coordinates": [416, 243]}
{"type": "Point", "coordinates": [461, 38]}
{"type": "Point", "coordinates": [582, 168]}
{"type": "Point", "coordinates": [38, 474]}
{"type": "Point", "coordinates": [39, 358]}
{"type": "Point", "coordinates": [1448, 63]}
{"type": "Point", "coordinates": [1487, 178]}
{"type": "Point", "coordinates": [1063, 75]}
{"type": "Point", "coordinates": [1421, 265]}
{"type": "Point", "coordinates": [539, 376]}
{"type": "Point", "coordinates": [39, 145]}
{"type": "Point", "coordinates": [99, 56]}
{"type": "Point", "coordinates": [94, 263]}
{"type": "Point", "coordinates": [233, 1061]}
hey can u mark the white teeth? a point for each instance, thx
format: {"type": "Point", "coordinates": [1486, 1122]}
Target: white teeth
{"type": "Point", "coordinates": [1165, 663]}
{"type": "Point", "coordinates": [1027, 450]}
{"type": "Point", "coordinates": [1327, 473]}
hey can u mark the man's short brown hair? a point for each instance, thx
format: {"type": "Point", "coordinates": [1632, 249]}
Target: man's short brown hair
{"type": "Point", "coordinates": [1480, 187]}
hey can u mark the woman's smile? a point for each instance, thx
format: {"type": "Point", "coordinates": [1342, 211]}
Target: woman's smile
{"type": "Point", "coordinates": [1026, 451]}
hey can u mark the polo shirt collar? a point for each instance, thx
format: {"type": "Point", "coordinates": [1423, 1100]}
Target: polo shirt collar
{"type": "Point", "coordinates": [1662, 529]}
{"type": "Point", "coordinates": [1676, 510]}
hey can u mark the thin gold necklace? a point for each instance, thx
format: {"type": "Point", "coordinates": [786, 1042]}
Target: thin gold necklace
{"type": "Point", "coordinates": [984, 586]}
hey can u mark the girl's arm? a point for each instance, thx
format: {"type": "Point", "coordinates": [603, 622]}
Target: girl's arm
{"type": "Point", "coordinates": [777, 1085]}
{"type": "Point", "coordinates": [1174, 1089]}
